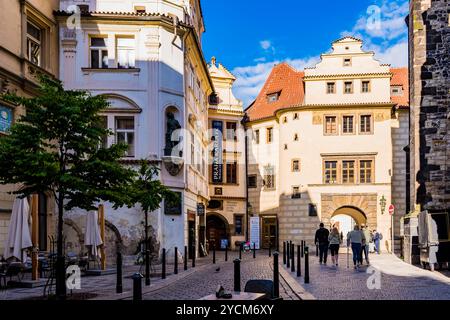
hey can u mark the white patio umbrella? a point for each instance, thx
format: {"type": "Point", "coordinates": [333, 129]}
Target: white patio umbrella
{"type": "Point", "coordinates": [92, 237]}
{"type": "Point", "coordinates": [19, 237]}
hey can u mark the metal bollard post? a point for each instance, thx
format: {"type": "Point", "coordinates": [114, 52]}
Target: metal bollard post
{"type": "Point", "coordinates": [175, 263]}
{"type": "Point", "coordinates": [303, 248]}
{"type": "Point", "coordinates": [185, 258]}
{"type": "Point", "coordinates": [276, 276]}
{"type": "Point", "coordinates": [214, 253]}
{"type": "Point", "coordinates": [299, 264]}
{"type": "Point", "coordinates": [193, 257]}
{"type": "Point", "coordinates": [293, 257]}
{"type": "Point", "coordinates": [284, 252]}
{"type": "Point", "coordinates": [119, 287]}
{"type": "Point", "coordinates": [237, 275]}
{"type": "Point", "coordinates": [306, 265]}
{"type": "Point", "coordinates": [254, 250]}
{"type": "Point", "coordinates": [288, 255]}
{"type": "Point", "coordinates": [270, 249]}
{"type": "Point", "coordinates": [137, 286]}
{"type": "Point", "coordinates": [226, 253]}
{"type": "Point", "coordinates": [163, 272]}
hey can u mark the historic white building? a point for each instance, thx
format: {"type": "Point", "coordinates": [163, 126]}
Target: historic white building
{"type": "Point", "coordinates": [328, 145]}
{"type": "Point", "coordinates": [145, 57]}
{"type": "Point", "coordinates": [226, 217]}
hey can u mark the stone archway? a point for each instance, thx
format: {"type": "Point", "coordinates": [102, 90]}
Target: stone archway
{"type": "Point", "coordinates": [217, 228]}
{"type": "Point", "coordinates": [113, 242]}
{"type": "Point", "coordinates": [73, 236]}
{"type": "Point", "coordinates": [357, 205]}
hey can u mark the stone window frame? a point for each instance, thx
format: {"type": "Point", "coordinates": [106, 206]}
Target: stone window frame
{"type": "Point", "coordinates": [292, 165]}
{"type": "Point", "coordinates": [342, 118]}
{"type": "Point", "coordinates": [360, 115]}
{"type": "Point", "coordinates": [352, 87]}
{"type": "Point", "coordinates": [225, 136]}
{"type": "Point", "coordinates": [344, 62]}
{"type": "Point", "coordinates": [369, 87]}
{"type": "Point", "coordinates": [273, 186]}
{"type": "Point", "coordinates": [339, 167]}
{"type": "Point", "coordinates": [296, 192]}
{"type": "Point", "coordinates": [257, 136]}
{"type": "Point", "coordinates": [348, 175]}
{"type": "Point", "coordinates": [91, 48]}
{"type": "Point", "coordinates": [134, 131]}
{"type": "Point", "coordinates": [45, 26]}
{"type": "Point", "coordinates": [327, 87]}
{"type": "Point", "coordinates": [269, 129]}
{"type": "Point", "coordinates": [325, 133]}
{"type": "Point", "coordinates": [116, 49]}
{"type": "Point", "coordinates": [242, 216]}
{"type": "Point", "coordinates": [252, 186]}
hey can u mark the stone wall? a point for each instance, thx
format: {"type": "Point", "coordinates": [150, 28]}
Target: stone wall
{"type": "Point", "coordinates": [430, 103]}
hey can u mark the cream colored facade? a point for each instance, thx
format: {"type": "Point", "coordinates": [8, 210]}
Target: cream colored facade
{"type": "Point", "coordinates": [25, 24]}
{"type": "Point", "coordinates": [300, 134]}
{"type": "Point", "coordinates": [226, 213]}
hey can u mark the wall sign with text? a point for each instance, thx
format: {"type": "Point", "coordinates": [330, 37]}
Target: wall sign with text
{"type": "Point", "coordinates": [217, 159]}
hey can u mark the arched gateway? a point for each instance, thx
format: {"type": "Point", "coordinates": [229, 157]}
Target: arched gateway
{"type": "Point", "coordinates": [217, 229]}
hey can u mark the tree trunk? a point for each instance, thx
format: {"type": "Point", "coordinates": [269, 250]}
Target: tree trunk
{"type": "Point", "coordinates": [60, 260]}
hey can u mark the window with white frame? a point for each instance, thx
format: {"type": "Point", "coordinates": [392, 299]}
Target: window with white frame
{"type": "Point", "coordinates": [34, 44]}
{"type": "Point", "coordinates": [99, 53]}
{"type": "Point", "coordinates": [126, 54]}
{"type": "Point", "coordinates": [125, 133]}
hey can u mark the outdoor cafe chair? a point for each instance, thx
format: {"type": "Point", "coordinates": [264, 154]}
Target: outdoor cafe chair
{"type": "Point", "coordinates": [15, 269]}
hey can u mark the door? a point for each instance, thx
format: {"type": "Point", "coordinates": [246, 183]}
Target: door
{"type": "Point", "coordinates": [216, 231]}
{"type": "Point", "coordinates": [191, 239]}
{"type": "Point", "coordinates": [269, 232]}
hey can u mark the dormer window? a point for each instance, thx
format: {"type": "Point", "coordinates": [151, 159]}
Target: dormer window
{"type": "Point", "coordinates": [273, 97]}
{"type": "Point", "coordinates": [83, 7]}
{"type": "Point", "coordinates": [139, 9]}
{"type": "Point", "coordinates": [396, 90]}
{"type": "Point", "coordinates": [347, 62]}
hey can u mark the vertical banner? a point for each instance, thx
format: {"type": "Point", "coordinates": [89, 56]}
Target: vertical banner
{"type": "Point", "coordinates": [254, 232]}
{"type": "Point", "coordinates": [217, 161]}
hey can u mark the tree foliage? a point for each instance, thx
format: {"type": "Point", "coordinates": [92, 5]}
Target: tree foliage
{"type": "Point", "coordinates": [56, 147]}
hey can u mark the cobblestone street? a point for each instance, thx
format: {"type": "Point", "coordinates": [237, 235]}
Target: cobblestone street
{"type": "Point", "coordinates": [399, 281]}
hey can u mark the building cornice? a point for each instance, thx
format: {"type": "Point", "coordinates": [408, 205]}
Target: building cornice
{"type": "Point", "coordinates": [347, 76]}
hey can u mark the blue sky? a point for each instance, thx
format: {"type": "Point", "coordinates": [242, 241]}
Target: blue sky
{"type": "Point", "coordinates": [250, 36]}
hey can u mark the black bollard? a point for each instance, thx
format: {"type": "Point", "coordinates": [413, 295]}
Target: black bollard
{"type": "Point", "coordinates": [214, 253]}
{"type": "Point", "coordinates": [147, 264]}
{"type": "Point", "coordinates": [119, 287]}
{"type": "Point", "coordinates": [226, 253]}
{"type": "Point", "coordinates": [306, 265]}
{"type": "Point", "coordinates": [299, 268]}
{"type": "Point", "coordinates": [254, 250]}
{"type": "Point", "coordinates": [193, 257]}
{"type": "Point", "coordinates": [284, 252]}
{"type": "Point", "coordinates": [137, 286]}
{"type": "Point", "coordinates": [293, 257]}
{"type": "Point", "coordinates": [237, 275]}
{"type": "Point", "coordinates": [185, 258]}
{"type": "Point", "coordinates": [288, 255]}
{"type": "Point", "coordinates": [276, 276]}
{"type": "Point", "coordinates": [175, 263]}
{"type": "Point", "coordinates": [317, 249]}
{"type": "Point", "coordinates": [163, 272]}
{"type": "Point", "coordinates": [303, 248]}
{"type": "Point", "coordinates": [270, 249]}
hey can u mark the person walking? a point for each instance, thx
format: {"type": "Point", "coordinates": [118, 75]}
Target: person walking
{"type": "Point", "coordinates": [377, 237]}
{"type": "Point", "coordinates": [321, 239]}
{"type": "Point", "coordinates": [356, 239]}
{"type": "Point", "coordinates": [335, 240]}
{"type": "Point", "coordinates": [365, 245]}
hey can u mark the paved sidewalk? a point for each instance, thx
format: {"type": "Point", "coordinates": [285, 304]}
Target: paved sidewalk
{"type": "Point", "coordinates": [398, 280]}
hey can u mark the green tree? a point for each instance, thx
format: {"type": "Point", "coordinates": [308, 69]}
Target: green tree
{"type": "Point", "coordinates": [56, 147]}
{"type": "Point", "coordinates": [149, 192]}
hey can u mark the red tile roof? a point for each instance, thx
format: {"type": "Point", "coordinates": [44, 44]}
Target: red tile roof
{"type": "Point", "coordinates": [285, 80]}
{"type": "Point", "coordinates": [289, 83]}
{"type": "Point", "coordinates": [400, 78]}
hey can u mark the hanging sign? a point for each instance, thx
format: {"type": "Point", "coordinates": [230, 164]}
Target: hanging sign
{"type": "Point", "coordinates": [217, 159]}
{"type": "Point", "coordinates": [254, 232]}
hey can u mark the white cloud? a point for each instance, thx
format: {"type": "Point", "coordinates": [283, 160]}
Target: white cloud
{"type": "Point", "coordinates": [381, 27]}
{"type": "Point", "coordinates": [250, 79]}
{"type": "Point", "coordinates": [265, 44]}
